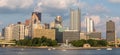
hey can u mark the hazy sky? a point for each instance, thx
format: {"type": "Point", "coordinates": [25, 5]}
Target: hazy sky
{"type": "Point", "coordinates": [12, 11]}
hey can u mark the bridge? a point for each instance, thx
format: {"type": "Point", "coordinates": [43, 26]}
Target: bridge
{"type": "Point", "coordinates": [4, 43]}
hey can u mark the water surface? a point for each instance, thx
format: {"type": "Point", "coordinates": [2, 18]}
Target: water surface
{"type": "Point", "coordinates": [31, 51]}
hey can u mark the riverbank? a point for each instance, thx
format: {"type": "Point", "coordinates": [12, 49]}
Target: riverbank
{"type": "Point", "coordinates": [60, 48]}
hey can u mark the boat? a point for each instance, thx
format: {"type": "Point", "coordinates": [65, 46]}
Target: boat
{"type": "Point", "coordinates": [98, 49]}
{"type": "Point", "coordinates": [109, 49]}
{"type": "Point", "coordinates": [53, 48]}
{"type": "Point", "coordinates": [49, 49]}
{"type": "Point", "coordinates": [63, 49]}
{"type": "Point", "coordinates": [22, 49]}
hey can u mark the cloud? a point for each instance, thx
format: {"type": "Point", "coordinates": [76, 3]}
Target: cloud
{"type": "Point", "coordinates": [114, 1]}
{"type": "Point", "coordinates": [97, 9]}
{"type": "Point", "coordinates": [13, 4]}
{"type": "Point", "coordinates": [116, 19]}
{"type": "Point", "coordinates": [100, 8]}
{"type": "Point", "coordinates": [56, 7]}
{"type": "Point", "coordinates": [16, 7]}
{"type": "Point", "coordinates": [96, 19]}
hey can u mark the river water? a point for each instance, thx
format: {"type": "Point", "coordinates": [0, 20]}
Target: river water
{"type": "Point", "coordinates": [31, 51]}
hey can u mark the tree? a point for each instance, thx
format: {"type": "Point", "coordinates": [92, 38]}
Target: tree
{"type": "Point", "coordinates": [37, 42]}
{"type": "Point", "coordinates": [92, 42]}
{"type": "Point", "coordinates": [102, 43]}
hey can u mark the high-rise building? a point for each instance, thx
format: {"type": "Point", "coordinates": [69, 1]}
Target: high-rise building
{"type": "Point", "coordinates": [18, 31]}
{"type": "Point", "coordinates": [75, 19]}
{"type": "Point", "coordinates": [110, 31]}
{"type": "Point", "coordinates": [34, 22]}
{"type": "Point", "coordinates": [8, 32]}
{"type": "Point", "coordinates": [38, 14]}
{"type": "Point", "coordinates": [89, 25]}
{"type": "Point", "coordinates": [58, 22]}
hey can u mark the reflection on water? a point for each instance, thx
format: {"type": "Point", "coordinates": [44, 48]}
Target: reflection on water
{"type": "Point", "coordinates": [21, 51]}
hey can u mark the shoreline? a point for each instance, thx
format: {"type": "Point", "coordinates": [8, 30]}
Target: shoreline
{"type": "Point", "coordinates": [60, 48]}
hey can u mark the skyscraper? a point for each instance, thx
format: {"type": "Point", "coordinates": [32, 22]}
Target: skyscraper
{"type": "Point", "coordinates": [19, 31]}
{"type": "Point", "coordinates": [34, 22]}
{"type": "Point", "coordinates": [8, 32]}
{"type": "Point", "coordinates": [38, 14]}
{"type": "Point", "coordinates": [75, 19]}
{"type": "Point", "coordinates": [110, 31]}
{"type": "Point", "coordinates": [58, 22]}
{"type": "Point", "coordinates": [89, 25]}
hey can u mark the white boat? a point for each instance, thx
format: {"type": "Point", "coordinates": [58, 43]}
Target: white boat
{"type": "Point", "coordinates": [98, 49]}
{"type": "Point", "coordinates": [49, 49]}
{"type": "Point", "coordinates": [22, 49]}
{"type": "Point", "coordinates": [53, 48]}
{"type": "Point", "coordinates": [109, 49]}
{"type": "Point", "coordinates": [63, 49]}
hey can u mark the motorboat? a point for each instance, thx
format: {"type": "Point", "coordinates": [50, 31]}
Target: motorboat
{"type": "Point", "coordinates": [109, 49]}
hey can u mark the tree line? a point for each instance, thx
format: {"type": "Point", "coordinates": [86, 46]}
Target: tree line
{"type": "Point", "coordinates": [93, 43]}
{"type": "Point", "coordinates": [43, 41]}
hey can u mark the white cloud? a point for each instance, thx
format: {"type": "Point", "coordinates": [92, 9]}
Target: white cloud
{"type": "Point", "coordinates": [116, 19]}
{"type": "Point", "coordinates": [12, 4]}
{"type": "Point", "coordinates": [57, 5]}
{"type": "Point", "coordinates": [115, 1]}
{"type": "Point", "coordinates": [100, 8]}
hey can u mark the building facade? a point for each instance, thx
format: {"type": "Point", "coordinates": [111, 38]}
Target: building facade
{"type": "Point", "coordinates": [89, 25]}
{"type": "Point", "coordinates": [110, 31]}
{"type": "Point", "coordinates": [71, 35]}
{"type": "Point", "coordinates": [48, 33]}
{"type": "Point", "coordinates": [83, 36]}
{"type": "Point", "coordinates": [8, 32]}
{"type": "Point", "coordinates": [18, 31]}
{"type": "Point", "coordinates": [75, 23]}
{"type": "Point", "coordinates": [34, 23]}
{"type": "Point", "coordinates": [94, 35]}
{"type": "Point", "coordinates": [58, 22]}
{"type": "Point", "coordinates": [38, 15]}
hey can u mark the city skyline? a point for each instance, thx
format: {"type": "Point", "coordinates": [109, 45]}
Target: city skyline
{"type": "Point", "coordinates": [100, 10]}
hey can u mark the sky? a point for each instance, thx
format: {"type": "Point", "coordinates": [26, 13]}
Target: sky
{"type": "Point", "coordinates": [12, 11]}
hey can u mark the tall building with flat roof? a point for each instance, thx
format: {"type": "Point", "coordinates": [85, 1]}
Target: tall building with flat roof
{"type": "Point", "coordinates": [8, 32]}
{"type": "Point", "coordinates": [75, 19]}
{"type": "Point", "coordinates": [110, 31]}
{"type": "Point", "coordinates": [89, 25]}
{"type": "Point", "coordinates": [18, 31]}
